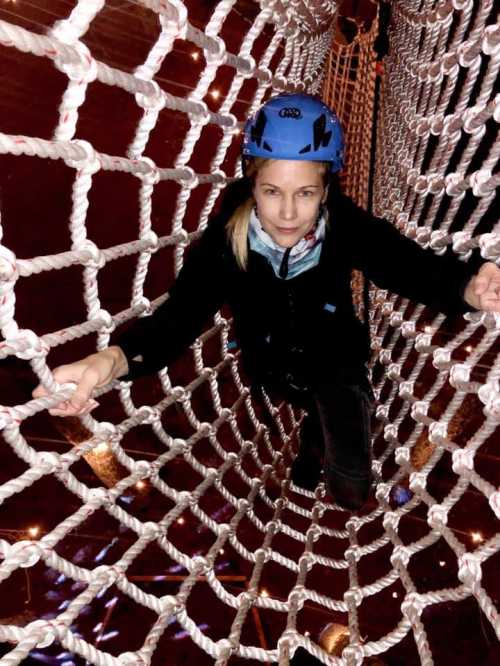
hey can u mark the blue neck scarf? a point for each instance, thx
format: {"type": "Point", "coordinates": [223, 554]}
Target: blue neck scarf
{"type": "Point", "coordinates": [287, 263]}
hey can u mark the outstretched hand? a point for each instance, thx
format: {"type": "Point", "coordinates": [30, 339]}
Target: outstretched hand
{"type": "Point", "coordinates": [89, 373]}
{"type": "Point", "coordinates": [483, 290]}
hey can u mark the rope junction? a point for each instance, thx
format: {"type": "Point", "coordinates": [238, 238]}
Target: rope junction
{"type": "Point", "coordinates": [437, 108]}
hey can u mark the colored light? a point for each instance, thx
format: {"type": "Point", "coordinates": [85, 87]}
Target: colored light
{"type": "Point", "coordinates": [195, 55]}
{"type": "Point", "coordinates": [476, 537]}
{"type": "Point", "coordinates": [215, 94]}
{"type": "Point", "coordinates": [103, 447]}
{"type": "Point", "coordinates": [401, 495]}
{"type": "Point", "coordinates": [34, 531]}
{"type": "Point", "coordinates": [181, 520]}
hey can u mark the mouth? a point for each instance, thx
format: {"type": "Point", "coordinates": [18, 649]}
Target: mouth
{"type": "Point", "coordinates": [287, 230]}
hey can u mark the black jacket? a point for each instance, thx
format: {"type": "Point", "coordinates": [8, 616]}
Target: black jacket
{"type": "Point", "coordinates": [305, 325]}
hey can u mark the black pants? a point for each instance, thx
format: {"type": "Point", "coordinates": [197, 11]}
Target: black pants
{"type": "Point", "coordinates": [336, 435]}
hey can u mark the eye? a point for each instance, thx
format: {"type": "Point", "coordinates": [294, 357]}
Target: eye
{"type": "Point", "coordinates": [270, 191]}
{"type": "Point", "coordinates": [307, 193]}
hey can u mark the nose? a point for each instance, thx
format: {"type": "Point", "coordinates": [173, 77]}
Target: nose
{"type": "Point", "coordinates": [288, 209]}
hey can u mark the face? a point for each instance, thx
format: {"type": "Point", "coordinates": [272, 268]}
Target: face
{"type": "Point", "coordinates": [288, 194]}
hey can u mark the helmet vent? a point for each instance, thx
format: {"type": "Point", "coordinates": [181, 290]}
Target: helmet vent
{"type": "Point", "coordinates": [258, 129]}
{"type": "Point", "coordinates": [321, 138]}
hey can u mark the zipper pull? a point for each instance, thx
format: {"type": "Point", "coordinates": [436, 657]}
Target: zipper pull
{"type": "Point", "coordinates": [283, 272]}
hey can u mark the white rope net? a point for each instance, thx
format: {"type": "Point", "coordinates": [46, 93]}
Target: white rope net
{"type": "Point", "coordinates": [437, 384]}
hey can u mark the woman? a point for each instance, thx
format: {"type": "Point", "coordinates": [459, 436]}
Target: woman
{"type": "Point", "coordinates": [280, 253]}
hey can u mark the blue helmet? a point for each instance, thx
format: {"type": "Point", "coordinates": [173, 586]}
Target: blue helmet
{"type": "Point", "coordinates": [295, 127]}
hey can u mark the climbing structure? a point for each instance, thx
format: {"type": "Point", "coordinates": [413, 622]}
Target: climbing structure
{"type": "Point", "coordinates": [130, 167]}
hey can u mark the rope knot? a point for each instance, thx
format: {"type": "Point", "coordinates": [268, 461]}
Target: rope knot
{"type": "Point", "coordinates": [418, 481]}
{"type": "Point", "coordinates": [391, 433]}
{"type": "Point", "coordinates": [80, 67]}
{"type": "Point", "coordinates": [391, 520]}
{"type": "Point", "coordinates": [42, 630]}
{"type": "Point", "coordinates": [489, 394]}
{"type": "Point", "coordinates": [400, 556]}
{"type": "Point", "coordinates": [8, 265]}
{"type": "Point", "coordinates": [406, 390]}
{"type": "Point", "coordinates": [402, 455]}
{"type": "Point", "coordinates": [412, 607]}
{"type": "Point", "coordinates": [87, 162]}
{"type": "Point", "coordinates": [462, 461]}
{"type": "Point", "coordinates": [151, 101]}
{"type": "Point", "coordinates": [224, 649]}
{"type": "Point", "coordinates": [147, 171]}
{"type": "Point", "coordinates": [494, 501]}
{"type": "Point", "coordinates": [25, 554]}
{"type": "Point", "coordinates": [27, 345]}
{"type": "Point", "coordinates": [437, 517]}
{"type": "Point", "coordinates": [353, 596]}
{"type": "Point", "coordinates": [441, 358]}
{"type": "Point", "coordinates": [460, 376]}
{"type": "Point", "coordinates": [419, 411]}
{"type": "Point", "coordinates": [438, 433]}
{"type": "Point", "coordinates": [469, 569]}
{"type": "Point", "coordinates": [354, 655]}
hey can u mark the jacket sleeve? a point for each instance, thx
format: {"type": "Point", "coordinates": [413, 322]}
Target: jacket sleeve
{"type": "Point", "coordinates": [197, 293]}
{"type": "Point", "coordinates": [393, 261]}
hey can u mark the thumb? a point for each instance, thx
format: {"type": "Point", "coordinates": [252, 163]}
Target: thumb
{"type": "Point", "coordinates": [488, 271]}
{"type": "Point", "coordinates": [87, 383]}
{"type": "Point", "coordinates": [481, 284]}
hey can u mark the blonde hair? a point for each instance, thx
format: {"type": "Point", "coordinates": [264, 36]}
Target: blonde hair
{"type": "Point", "coordinates": [237, 226]}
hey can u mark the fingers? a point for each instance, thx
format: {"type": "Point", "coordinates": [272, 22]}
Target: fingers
{"type": "Point", "coordinates": [487, 287]}
{"type": "Point", "coordinates": [87, 384]}
{"type": "Point", "coordinates": [80, 403]}
{"type": "Point", "coordinates": [490, 303]}
{"type": "Point", "coordinates": [67, 409]}
{"type": "Point", "coordinates": [39, 392]}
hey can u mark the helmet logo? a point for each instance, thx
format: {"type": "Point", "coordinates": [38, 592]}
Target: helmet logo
{"type": "Point", "coordinates": [290, 112]}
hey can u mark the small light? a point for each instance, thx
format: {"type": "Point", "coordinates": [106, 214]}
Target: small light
{"type": "Point", "coordinates": [428, 329]}
{"type": "Point", "coordinates": [476, 537]}
{"type": "Point", "coordinates": [442, 563]}
{"type": "Point", "coordinates": [237, 131]}
{"type": "Point", "coordinates": [195, 55]}
{"type": "Point", "coordinates": [140, 485]}
{"type": "Point", "coordinates": [468, 348]}
{"type": "Point", "coordinates": [264, 592]}
{"type": "Point", "coordinates": [103, 447]}
{"type": "Point", "coordinates": [215, 94]}
{"type": "Point", "coordinates": [307, 633]}
{"type": "Point", "coordinates": [395, 595]}
{"type": "Point", "coordinates": [181, 520]}
{"type": "Point", "coordinates": [221, 551]}
{"type": "Point", "coordinates": [34, 531]}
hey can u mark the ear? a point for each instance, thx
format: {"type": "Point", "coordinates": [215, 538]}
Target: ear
{"type": "Point", "coordinates": [325, 195]}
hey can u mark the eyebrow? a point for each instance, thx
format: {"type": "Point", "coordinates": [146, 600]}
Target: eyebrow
{"type": "Point", "coordinates": [304, 187]}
